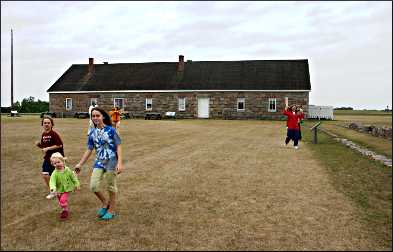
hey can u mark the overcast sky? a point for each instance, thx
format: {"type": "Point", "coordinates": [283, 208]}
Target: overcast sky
{"type": "Point", "coordinates": [348, 44]}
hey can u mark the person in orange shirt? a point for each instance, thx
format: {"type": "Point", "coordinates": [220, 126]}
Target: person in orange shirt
{"type": "Point", "coordinates": [115, 116]}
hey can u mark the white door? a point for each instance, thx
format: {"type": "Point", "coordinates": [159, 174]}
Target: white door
{"type": "Point", "coordinates": [203, 107]}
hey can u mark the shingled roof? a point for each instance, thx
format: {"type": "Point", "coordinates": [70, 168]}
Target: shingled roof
{"type": "Point", "coordinates": [197, 75]}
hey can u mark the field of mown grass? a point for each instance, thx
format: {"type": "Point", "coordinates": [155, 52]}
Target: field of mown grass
{"type": "Point", "coordinates": [362, 112]}
{"type": "Point", "coordinates": [365, 117]}
{"type": "Point", "coordinates": [377, 144]}
{"type": "Point", "coordinates": [369, 117]}
{"type": "Point", "coordinates": [366, 182]}
{"type": "Point", "coordinates": [199, 185]}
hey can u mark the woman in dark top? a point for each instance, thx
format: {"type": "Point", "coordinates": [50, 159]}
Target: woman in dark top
{"type": "Point", "coordinates": [50, 143]}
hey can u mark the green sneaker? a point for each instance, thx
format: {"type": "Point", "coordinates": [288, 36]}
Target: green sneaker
{"type": "Point", "coordinates": [108, 216]}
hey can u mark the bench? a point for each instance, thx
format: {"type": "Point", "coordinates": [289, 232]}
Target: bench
{"type": "Point", "coordinates": [81, 115]}
{"type": "Point", "coordinates": [14, 113]}
{"type": "Point", "coordinates": [170, 115]}
{"type": "Point", "coordinates": [125, 115]}
{"type": "Point", "coordinates": [51, 114]}
{"type": "Point", "coordinates": [152, 115]}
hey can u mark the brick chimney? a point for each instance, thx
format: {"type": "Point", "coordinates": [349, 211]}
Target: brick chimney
{"type": "Point", "coordinates": [180, 64]}
{"type": "Point", "coordinates": [91, 65]}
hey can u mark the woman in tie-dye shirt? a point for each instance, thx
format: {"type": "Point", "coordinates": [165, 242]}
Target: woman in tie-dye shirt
{"type": "Point", "coordinates": [105, 140]}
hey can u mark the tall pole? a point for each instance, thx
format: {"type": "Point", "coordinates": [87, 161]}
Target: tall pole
{"type": "Point", "coordinates": [12, 71]}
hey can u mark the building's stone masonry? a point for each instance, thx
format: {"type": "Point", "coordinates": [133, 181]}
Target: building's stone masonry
{"type": "Point", "coordinates": [222, 105]}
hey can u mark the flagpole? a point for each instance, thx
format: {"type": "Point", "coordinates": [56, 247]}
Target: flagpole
{"type": "Point", "coordinates": [12, 71]}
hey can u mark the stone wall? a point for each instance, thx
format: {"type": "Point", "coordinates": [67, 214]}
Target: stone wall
{"type": "Point", "coordinates": [222, 105]}
{"type": "Point", "coordinates": [384, 132]}
{"type": "Point", "coordinates": [364, 151]}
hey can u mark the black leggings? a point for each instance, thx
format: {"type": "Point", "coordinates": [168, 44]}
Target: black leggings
{"type": "Point", "coordinates": [292, 134]}
{"type": "Point", "coordinates": [295, 141]}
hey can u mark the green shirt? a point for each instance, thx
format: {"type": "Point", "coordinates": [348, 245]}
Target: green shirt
{"type": "Point", "coordinates": [63, 181]}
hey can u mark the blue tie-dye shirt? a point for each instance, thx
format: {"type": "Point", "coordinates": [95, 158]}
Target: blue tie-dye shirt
{"type": "Point", "coordinates": [105, 142]}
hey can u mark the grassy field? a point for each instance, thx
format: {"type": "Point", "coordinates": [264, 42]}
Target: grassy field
{"type": "Point", "coordinates": [367, 183]}
{"type": "Point", "coordinates": [369, 117]}
{"type": "Point", "coordinates": [366, 117]}
{"type": "Point", "coordinates": [199, 185]}
{"type": "Point", "coordinates": [363, 112]}
{"type": "Point", "coordinates": [379, 145]}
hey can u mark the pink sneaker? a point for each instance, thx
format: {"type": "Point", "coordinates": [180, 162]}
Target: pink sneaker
{"type": "Point", "coordinates": [64, 215]}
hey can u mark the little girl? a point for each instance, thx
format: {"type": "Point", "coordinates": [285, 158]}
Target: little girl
{"type": "Point", "coordinates": [62, 181]}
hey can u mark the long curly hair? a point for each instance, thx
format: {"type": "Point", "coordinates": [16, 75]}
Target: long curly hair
{"type": "Point", "coordinates": [106, 118]}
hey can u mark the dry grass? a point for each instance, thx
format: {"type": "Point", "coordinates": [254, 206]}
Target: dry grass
{"type": "Point", "coordinates": [368, 184]}
{"type": "Point", "coordinates": [377, 118]}
{"type": "Point", "coordinates": [378, 144]}
{"type": "Point", "coordinates": [365, 117]}
{"type": "Point", "coordinates": [187, 185]}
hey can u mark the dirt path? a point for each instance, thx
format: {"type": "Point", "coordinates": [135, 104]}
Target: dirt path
{"type": "Point", "coordinates": [204, 185]}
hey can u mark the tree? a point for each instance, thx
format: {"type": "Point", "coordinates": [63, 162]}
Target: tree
{"type": "Point", "coordinates": [29, 105]}
{"type": "Point", "coordinates": [17, 106]}
{"type": "Point", "coordinates": [344, 108]}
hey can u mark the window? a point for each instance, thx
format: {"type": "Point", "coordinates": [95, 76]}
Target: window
{"type": "Point", "coordinates": [118, 102]}
{"type": "Point", "coordinates": [149, 103]}
{"type": "Point", "coordinates": [241, 104]}
{"type": "Point", "coordinates": [182, 104]}
{"type": "Point", "coordinates": [272, 105]}
{"type": "Point", "coordinates": [93, 101]}
{"type": "Point", "coordinates": [68, 103]}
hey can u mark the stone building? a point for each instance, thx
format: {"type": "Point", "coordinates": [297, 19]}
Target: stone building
{"type": "Point", "coordinates": [249, 89]}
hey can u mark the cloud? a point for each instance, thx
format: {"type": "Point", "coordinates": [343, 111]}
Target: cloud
{"type": "Point", "coordinates": [348, 44]}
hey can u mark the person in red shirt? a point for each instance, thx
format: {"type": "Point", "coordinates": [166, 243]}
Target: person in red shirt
{"type": "Point", "coordinates": [50, 143]}
{"type": "Point", "coordinates": [293, 125]}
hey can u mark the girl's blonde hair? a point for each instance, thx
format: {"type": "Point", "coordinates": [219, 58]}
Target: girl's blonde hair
{"type": "Point", "coordinates": [58, 156]}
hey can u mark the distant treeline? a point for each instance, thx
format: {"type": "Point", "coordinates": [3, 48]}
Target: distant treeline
{"type": "Point", "coordinates": [350, 108]}
{"type": "Point", "coordinates": [344, 108]}
{"type": "Point", "coordinates": [28, 105]}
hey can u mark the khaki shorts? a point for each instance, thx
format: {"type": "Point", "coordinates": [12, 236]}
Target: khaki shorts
{"type": "Point", "coordinates": [97, 176]}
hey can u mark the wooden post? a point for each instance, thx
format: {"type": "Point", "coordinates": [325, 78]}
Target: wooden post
{"type": "Point", "coordinates": [315, 129]}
